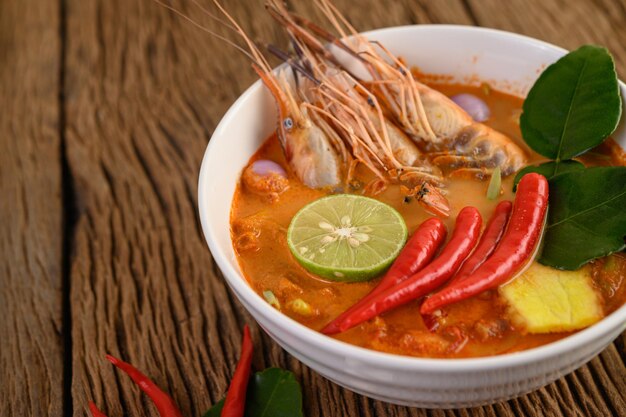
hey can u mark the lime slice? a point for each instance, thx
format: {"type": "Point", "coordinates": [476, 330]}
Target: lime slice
{"type": "Point", "coordinates": [346, 237]}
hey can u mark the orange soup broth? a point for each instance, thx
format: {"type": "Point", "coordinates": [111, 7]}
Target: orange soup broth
{"type": "Point", "coordinates": [269, 266]}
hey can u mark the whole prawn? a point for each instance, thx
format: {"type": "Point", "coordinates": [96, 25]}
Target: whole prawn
{"type": "Point", "coordinates": [325, 128]}
{"type": "Point", "coordinates": [314, 151]}
{"type": "Point", "coordinates": [373, 138]}
{"type": "Point", "coordinates": [442, 129]}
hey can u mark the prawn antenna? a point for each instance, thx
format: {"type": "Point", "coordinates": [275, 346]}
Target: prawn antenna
{"type": "Point", "coordinates": [335, 17]}
{"type": "Point", "coordinates": [260, 59]}
{"type": "Point", "coordinates": [252, 53]}
{"type": "Point", "coordinates": [212, 16]}
{"type": "Point", "coordinates": [284, 56]}
{"type": "Point", "coordinates": [207, 30]}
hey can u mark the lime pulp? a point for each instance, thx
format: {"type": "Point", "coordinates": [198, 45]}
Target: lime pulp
{"type": "Point", "coordinates": [346, 237]}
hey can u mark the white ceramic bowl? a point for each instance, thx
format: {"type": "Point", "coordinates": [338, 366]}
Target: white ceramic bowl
{"type": "Point", "coordinates": [510, 62]}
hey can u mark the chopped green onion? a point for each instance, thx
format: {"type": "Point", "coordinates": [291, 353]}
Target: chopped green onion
{"type": "Point", "coordinates": [486, 87]}
{"type": "Point", "coordinates": [610, 264]}
{"type": "Point", "coordinates": [495, 184]}
{"type": "Point", "coordinates": [271, 299]}
{"type": "Point", "coordinates": [301, 307]}
{"type": "Point", "coordinates": [515, 116]}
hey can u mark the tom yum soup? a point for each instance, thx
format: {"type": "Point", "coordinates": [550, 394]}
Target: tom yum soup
{"type": "Point", "coordinates": [429, 219]}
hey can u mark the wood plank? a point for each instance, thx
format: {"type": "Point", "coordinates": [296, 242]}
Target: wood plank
{"type": "Point", "coordinates": [144, 91]}
{"type": "Point", "coordinates": [31, 356]}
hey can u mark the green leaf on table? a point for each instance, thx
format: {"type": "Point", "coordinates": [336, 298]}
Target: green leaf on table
{"type": "Point", "coordinates": [277, 394]}
{"type": "Point", "coordinates": [216, 410]}
{"type": "Point", "coordinates": [573, 106]}
{"type": "Point", "coordinates": [495, 184]}
{"type": "Point", "coordinates": [548, 169]}
{"type": "Point", "coordinates": [586, 217]}
{"type": "Point", "coordinates": [273, 392]}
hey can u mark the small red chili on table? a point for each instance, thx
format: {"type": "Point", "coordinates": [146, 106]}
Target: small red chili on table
{"type": "Point", "coordinates": [235, 403]}
{"type": "Point", "coordinates": [163, 402]}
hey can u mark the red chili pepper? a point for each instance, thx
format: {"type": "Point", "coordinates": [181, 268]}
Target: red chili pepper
{"type": "Point", "coordinates": [164, 403]}
{"type": "Point", "coordinates": [464, 238]}
{"type": "Point", "coordinates": [487, 243]}
{"type": "Point", "coordinates": [515, 248]}
{"type": "Point", "coordinates": [418, 252]}
{"type": "Point", "coordinates": [235, 403]}
{"type": "Point", "coordinates": [94, 410]}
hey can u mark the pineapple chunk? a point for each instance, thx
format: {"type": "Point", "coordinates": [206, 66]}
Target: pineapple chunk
{"type": "Point", "coordinates": [547, 300]}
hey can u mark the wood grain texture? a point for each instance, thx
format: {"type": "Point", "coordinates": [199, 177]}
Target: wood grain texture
{"type": "Point", "coordinates": [568, 24]}
{"type": "Point", "coordinates": [31, 211]}
{"type": "Point", "coordinates": [143, 91]}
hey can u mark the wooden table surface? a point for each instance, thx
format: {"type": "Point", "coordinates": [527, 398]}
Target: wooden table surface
{"type": "Point", "coordinates": [108, 106]}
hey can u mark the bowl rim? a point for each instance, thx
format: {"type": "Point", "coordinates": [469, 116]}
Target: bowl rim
{"type": "Point", "coordinates": [238, 283]}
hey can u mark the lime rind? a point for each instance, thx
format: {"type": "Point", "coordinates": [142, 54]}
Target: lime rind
{"type": "Point", "coordinates": [346, 237]}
